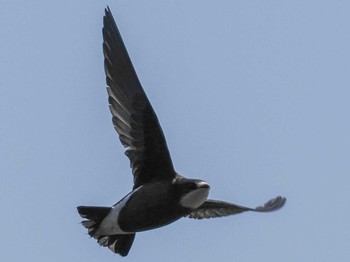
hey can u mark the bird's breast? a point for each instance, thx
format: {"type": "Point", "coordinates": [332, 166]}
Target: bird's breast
{"type": "Point", "coordinates": [152, 206]}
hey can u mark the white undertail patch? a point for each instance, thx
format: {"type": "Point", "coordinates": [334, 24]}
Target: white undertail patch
{"type": "Point", "coordinates": [109, 225]}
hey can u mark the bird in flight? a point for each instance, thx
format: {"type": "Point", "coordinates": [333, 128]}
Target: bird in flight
{"type": "Point", "coordinates": [160, 195]}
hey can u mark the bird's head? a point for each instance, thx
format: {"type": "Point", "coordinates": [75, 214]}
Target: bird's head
{"type": "Point", "coordinates": [192, 192]}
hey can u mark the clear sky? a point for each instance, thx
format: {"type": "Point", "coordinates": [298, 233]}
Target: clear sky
{"type": "Point", "coordinates": [253, 97]}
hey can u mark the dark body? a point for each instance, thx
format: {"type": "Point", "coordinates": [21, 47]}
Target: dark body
{"type": "Point", "coordinates": [149, 213]}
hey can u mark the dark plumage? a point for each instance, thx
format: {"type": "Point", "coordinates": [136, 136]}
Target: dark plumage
{"type": "Point", "coordinates": [160, 195]}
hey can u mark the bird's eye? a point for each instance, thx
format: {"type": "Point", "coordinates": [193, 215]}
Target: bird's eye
{"type": "Point", "coordinates": [191, 186]}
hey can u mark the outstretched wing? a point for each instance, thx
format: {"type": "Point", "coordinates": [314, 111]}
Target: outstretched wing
{"type": "Point", "coordinates": [133, 117]}
{"type": "Point", "coordinates": [214, 208]}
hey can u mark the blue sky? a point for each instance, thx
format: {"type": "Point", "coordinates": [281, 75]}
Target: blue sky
{"type": "Point", "coordinates": [253, 97]}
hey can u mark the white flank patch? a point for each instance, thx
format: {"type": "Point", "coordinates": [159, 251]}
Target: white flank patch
{"type": "Point", "coordinates": [194, 199]}
{"type": "Point", "coordinates": [109, 225]}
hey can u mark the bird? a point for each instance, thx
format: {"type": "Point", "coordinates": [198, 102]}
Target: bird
{"type": "Point", "coordinates": [159, 195]}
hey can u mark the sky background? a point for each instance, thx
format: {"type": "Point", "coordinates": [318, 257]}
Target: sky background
{"type": "Point", "coordinates": [253, 97]}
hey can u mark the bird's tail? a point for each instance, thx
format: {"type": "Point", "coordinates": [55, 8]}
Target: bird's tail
{"type": "Point", "coordinates": [119, 244]}
{"type": "Point", "coordinates": [94, 216]}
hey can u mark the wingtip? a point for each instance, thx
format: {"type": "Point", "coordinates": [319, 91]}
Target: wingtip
{"type": "Point", "coordinates": [272, 205]}
{"type": "Point", "coordinates": [108, 11]}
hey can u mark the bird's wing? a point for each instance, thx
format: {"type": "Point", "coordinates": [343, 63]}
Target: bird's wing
{"type": "Point", "coordinates": [214, 208]}
{"type": "Point", "coordinates": [133, 116]}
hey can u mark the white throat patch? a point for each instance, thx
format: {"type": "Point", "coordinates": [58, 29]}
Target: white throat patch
{"type": "Point", "coordinates": [194, 199]}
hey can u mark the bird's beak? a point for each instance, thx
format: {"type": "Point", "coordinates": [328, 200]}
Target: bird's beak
{"type": "Point", "coordinates": [203, 184]}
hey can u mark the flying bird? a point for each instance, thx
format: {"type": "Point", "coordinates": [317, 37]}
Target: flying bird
{"type": "Point", "coordinates": [160, 195]}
